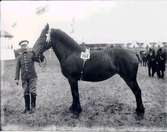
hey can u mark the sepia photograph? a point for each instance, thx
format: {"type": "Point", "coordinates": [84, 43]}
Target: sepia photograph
{"type": "Point", "coordinates": [83, 66]}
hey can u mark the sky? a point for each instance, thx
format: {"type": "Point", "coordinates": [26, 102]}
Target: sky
{"type": "Point", "coordinates": [87, 21]}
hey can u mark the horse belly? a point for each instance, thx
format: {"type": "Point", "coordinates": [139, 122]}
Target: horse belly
{"type": "Point", "coordinates": [98, 74]}
{"type": "Point", "coordinates": [96, 78]}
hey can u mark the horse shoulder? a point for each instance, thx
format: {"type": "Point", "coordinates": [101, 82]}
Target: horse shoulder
{"type": "Point", "coordinates": [71, 65]}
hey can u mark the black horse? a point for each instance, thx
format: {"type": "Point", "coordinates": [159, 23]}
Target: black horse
{"type": "Point", "coordinates": [102, 64]}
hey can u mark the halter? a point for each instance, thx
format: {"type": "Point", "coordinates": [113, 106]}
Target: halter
{"type": "Point", "coordinates": [44, 46]}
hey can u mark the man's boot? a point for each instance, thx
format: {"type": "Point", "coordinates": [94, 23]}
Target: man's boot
{"type": "Point", "coordinates": [27, 103]}
{"type": "Point", "coordinates": [33, 103]}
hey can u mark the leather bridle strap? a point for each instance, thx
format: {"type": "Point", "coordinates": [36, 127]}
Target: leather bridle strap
{"type": "Point", "coordinates": [84, 56]}
{"type": "Point", "coordinates": [82, 70]}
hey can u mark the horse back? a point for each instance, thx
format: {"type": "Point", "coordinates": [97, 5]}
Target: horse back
{"type": "Point", "coordinates": [123, 55]}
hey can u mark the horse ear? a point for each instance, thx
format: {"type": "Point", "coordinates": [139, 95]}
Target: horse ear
{"type": "Point", "coordinates": [45, 30]}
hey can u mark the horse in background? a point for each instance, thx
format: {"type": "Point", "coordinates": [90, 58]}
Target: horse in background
{"type": "Point", "coordinates": [101, 65]}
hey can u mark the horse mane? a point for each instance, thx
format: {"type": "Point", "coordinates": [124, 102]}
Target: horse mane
{"type": "Point", "coordinates": [65, 38]}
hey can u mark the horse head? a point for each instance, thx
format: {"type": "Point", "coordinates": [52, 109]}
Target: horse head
{"type": "Point", "coordinates": [42, 43]}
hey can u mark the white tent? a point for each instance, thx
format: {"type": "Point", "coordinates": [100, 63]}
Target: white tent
{"type": "Point", "coordinates": [7, 48]}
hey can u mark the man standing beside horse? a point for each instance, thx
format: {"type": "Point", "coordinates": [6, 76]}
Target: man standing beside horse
{"type": "Point", "coordinates": [25, 64]}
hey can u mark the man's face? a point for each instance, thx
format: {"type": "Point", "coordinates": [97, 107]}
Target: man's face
{"type": "Point", "coordinates": [24, 46]}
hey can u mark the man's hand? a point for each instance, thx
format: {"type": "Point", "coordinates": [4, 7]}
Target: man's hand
{"type": "Point", "coordinates": [17, 82]}
{"type": "Point", "coordinates": [41, 57]}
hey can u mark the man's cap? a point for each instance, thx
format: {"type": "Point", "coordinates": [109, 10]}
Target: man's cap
{"type": "Point", "coordinates": [23, 42]}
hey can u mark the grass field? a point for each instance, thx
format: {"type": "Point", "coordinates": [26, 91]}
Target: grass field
{"type": "Point", "coordinates": [105, 104]}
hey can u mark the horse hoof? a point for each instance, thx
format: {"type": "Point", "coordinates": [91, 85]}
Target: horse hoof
{"type": "Point", "coordinates": [75, 115]}
{"type": "Point", "coordinates": [71, 109]}
{"type": "Point", "coordinates": [74, 110]}
{"type": "Point", "coordinates": [140, 111]}
{"type": "Point", "coordinates": [80, 110]}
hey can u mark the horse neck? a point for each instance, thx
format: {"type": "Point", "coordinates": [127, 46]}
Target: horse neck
{"type": "Point", "coordinates": [63, 49]}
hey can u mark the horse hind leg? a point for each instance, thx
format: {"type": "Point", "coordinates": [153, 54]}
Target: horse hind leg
{"type": "Point", "coordinates": [137, 92]}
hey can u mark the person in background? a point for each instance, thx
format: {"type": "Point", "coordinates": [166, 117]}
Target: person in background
{"type": "Point", "coordinates": [161, 60]}
{"type": "Point", "coordinates": [25, 64]}
{"type": "Point", "coordinates": [151, 62]}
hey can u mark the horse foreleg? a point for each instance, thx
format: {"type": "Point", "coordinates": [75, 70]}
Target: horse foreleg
{"type": "Point", "coordinates": [75, 108]}
{"type": "Point", "coordinates": [137, 92]}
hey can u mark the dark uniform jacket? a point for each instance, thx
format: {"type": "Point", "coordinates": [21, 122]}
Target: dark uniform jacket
{"type": "Point", "coordinates": [161, 60]}
{"type": "Point", "coordinates": [25, 64]}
